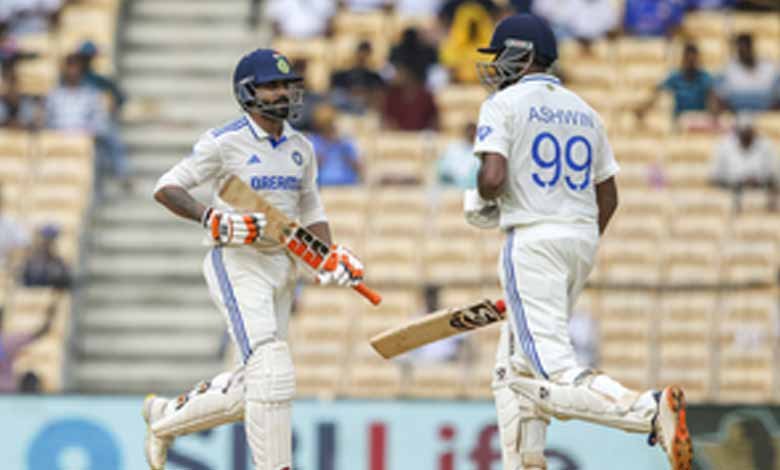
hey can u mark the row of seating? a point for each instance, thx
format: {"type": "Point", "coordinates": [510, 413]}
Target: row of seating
{"type": "Point", "coordinates": [719, 345]}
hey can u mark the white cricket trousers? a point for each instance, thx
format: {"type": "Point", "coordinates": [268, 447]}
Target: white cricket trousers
{"type": "Point", "coordinates": [543, 269]}
{"type": "Point", "coordinates": [254, 292]}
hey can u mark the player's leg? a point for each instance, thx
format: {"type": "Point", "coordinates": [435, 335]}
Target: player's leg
{"type": "Point", "coordinates": [209, 404]}
{"type": "Point", "coordinates": [522, 427]}
{"type": "Point", "coordinates": [259, 313]}
{"type": "Point", "coordinates": [539, 309]}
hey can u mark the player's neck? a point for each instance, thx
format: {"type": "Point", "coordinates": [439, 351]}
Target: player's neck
{"type": "Point", "coordinates": [272, 127]}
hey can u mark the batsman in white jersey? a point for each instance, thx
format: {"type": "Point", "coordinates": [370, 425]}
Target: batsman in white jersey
{"type": "Point", "coordinates": [547, 178]}
{"type": "Point", "coordinates": [251, 279]}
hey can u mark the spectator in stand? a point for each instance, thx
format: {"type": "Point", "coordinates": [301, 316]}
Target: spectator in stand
{"type": "Point", "coordinates": [365, 6]}
{"type": "Point", "coordinates": [13, 239]}
{"type": "Point", "coordinates": [749, 84]}
{"type": "Point", "coordinates": [44, 267]}
{"type": "Point", "coordinates": [11, 344]}
{"type": "Point", "coordinates": [358, 88]}
{"type": "Point", "coordinates": [448, 10]}
{"type": "Point", "coordinates": [653, 17]}
{"type": "Point", "coordinates": [745, 159]}
{"type": "Point", "coordinates": [692, 87]}
{"type": "Point", "coordinates": [417, 8]}
{"type": "Point", "coordinates": [414, 53]}
{"type": "Point", "coordinates": [409, 106]}
{"type": "Point", "coordinates": [75, 106]}
{"type": "Point", "coordinates": [458, 166]}
{"type": "Point", "coordinates": [17, 110]}
{"type": "Point", "coordinates": [584, 20]}
{"type": "Point", "coordinates": [300, 19]}
{"type": "Point", "coordinates": [471, 28]}
{"type": "Point", "coordinates": [337, 159]}
{"type": "Point", "coordinates": [20, 17]}
{"type": "Point", "coordinates": [109, 144]}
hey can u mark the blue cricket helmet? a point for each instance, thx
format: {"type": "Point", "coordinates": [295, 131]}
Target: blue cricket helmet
{"type": "Point", "coordinates": [517, 42]}
{"type": "Point", "coordinates": [263, 66]}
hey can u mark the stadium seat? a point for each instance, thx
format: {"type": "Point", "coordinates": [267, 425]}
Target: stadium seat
{"type": "Point", "coordinates": [641, 50]}
{"type": "Point", "coordinates": [691, 262]}
{"type": "Point", "coordinates": [15, 156]}
{"type": "Point", "coordinates": [705, 24]}
{"type": "Point", "coordinates": [747, 262]}
{"type": "Point", "coordinates": [685, 337]}
{"type": "Point", "coordinates": [448, 259]}
{"type": "Point", "coordinates": [37, 76]}
{"type": "Point", "coordinates": [626, 261]}
{"type": "Point", "coordinates": [441, 381]}
{"type": "Point", "coordinates": [625, 324]}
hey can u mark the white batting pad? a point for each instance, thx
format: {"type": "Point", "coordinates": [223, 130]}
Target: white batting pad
{"type": "Point", "coordinates": [590, 397]}
{"type": "Point", "coordinates": [270, 387]}
{"type": "Point", "coordinates": [209, 404]}
{"type": "Point", "coordinates": [523, 431]}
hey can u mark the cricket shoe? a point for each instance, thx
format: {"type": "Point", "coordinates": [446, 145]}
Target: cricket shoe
{"type": "Point", "coordinates": [671, 430]}
{"type": "Point", "coordinates": [155, 447]}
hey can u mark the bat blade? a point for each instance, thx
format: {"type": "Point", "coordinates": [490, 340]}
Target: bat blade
{"type": "Point", "coordinates": [298, 241]}
{"type": "Point", "coordinates": [437, 326]}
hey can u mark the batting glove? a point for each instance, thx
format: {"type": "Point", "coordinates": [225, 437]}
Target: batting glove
{"type": "Point", "coordinates": [479, 212]}
{"type": "Point", "coordinates": [227, 228]}
{"type": "Point", "coordinates": [341, 267]}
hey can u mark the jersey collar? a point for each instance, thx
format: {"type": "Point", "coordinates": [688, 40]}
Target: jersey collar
{"type": "Point", "coordinates": [287, 132]}
{"type": "Point", "coordinates": [540, 77]}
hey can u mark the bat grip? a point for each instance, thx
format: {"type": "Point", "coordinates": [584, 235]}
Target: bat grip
{"type": "Point", "coordinates": [368, 293]}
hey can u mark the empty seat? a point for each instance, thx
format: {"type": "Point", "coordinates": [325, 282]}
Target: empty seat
{"type": "Point", "coordinates": [750, 262]}
{"type": "Point", "coordinates": [691, 262]}
{"type": "Point", "coordinates": [439, 381]}
{"type": "Point", "coordinates": [625, 261]}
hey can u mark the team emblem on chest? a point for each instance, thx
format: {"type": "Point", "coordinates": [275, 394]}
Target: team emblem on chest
{"type": "Point", "coordinates": [297, 157]}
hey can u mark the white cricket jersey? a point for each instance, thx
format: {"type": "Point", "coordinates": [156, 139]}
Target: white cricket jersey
{"type": "Point", "coordinates": [556, 147]}
{"type": "Point", "coordinates": [283, 171]}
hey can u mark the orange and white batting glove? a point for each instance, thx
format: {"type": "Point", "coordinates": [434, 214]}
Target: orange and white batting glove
{"type": "Point", "coordinates": [341, 267]}
{"type": "Point", "coordinates": [227, 228]}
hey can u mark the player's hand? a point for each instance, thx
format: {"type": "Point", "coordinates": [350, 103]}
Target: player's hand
{"type": "Point", "coordinates": [341, 267]}
{"type": "Point", "coordinates": [479, 212]}
{"type": "Point", "coordinates": [228, 228]}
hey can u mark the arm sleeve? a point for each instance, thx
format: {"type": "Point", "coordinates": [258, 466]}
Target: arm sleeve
{"type": "Point", "coordinates": [605, 165]}
{"type": "Point", "coordinates": [202, 164]}
{"type": "Point", "coordinates": [311, 209]}
{"type": "Point", "coordinates": [492, 130]}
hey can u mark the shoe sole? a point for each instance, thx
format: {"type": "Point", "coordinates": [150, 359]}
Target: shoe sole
{"type": "Point", "coordinates": [146, 412]}
{"type": "Point", "coordinates": [681, 453]}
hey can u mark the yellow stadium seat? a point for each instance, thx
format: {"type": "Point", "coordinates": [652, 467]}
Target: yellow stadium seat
{"type": "Point", "coordinates": [626, 261]}
{"type": "Point", "coordinates": [436, 381]}
{"type": "Point", "coordinates": [746, 359]}
{"type": "Point", "coordinates": [316, 380]}
{"type": "Point", "coordinates": [691, 262]}
{"type": "Point", "coordinates": [689, 149]}
{"type": "Point", "coordinates": [685, 334]}
{"type": "Point", "coordinates": [448, 259]}
{"type": "Point", "coordinates": [750, 262]}
{"type": "Point", "coordinates": [37, 76]}
{"type": "Point", "coordinates": [645, 150]}
{"type": "Point", "coordinates": [14, 155]}
{"type": "Point", "coordinates": [769, 124]}
{"type": "Point", "coordinates": [705, 24]}
{"type": "Point", "coordinates": [639, 50]}
{"type": "Point", "coordinates": [651, 227]}
{"type": "Point", "coordinates": [625, 325]}
{"type": "Point", "coordinates": [324, 301]}
{"type": "Point", "coordinates": [758, 24]}
{"type": "Point", "coordinates": [459, 296]}
{"type": "Point", "coordinates": [688, 175]}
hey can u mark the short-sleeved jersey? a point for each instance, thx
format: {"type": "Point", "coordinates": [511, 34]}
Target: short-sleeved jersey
{"type": "Point", "coordinates": [283, 171]}
{"type": "Point", "coordinates": [556, 147]}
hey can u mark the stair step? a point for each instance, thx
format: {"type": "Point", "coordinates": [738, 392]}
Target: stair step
{"type": "Point", "coordinates": [215, 88]}
{"type": "Point", "coordinates": [143, 376]}
{"type": "Point", "coordinates": [152, 293]}
{"type": "Point", "coordinates": [196, 319]}
{"type": "Point", "coordinates": [231, 10]}
{"type": "Point", "coordinates": [152, 345]}
{"type": "Point", "coordinates": [192, 35]}
{"type": "Point", "coordinates": [168, 238]}
{"type": "Point", "coordinates": [167, 61]}
{"type": "Point", "coordinates": [104, 266]}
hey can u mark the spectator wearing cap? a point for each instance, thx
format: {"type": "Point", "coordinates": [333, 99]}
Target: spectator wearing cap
{"type": "Point", "coordinates": [12, 344]}
{"type": "Point", "coordinates": [110, 147]}
{"type": "Point", "coordinates": [408, 105]}
{"type": "Point", "coordinates": [358, 87]}
{"type": "Point", "coordinates": [43, 266]}
{"type": "Point", "coordinates": [745, 159]}
{"type": "Point", "coordinates": [748, 83]}
{"type": "Point", "coordinates": [692, 87]}
{"type": "Point", "coordinates": [337, 158]}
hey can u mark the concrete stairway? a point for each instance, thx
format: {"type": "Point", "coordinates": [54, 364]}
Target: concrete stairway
{"type": "Point", "coordinates": [147, 322]}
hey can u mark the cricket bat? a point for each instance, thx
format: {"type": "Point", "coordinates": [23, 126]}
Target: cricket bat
{"type": "Point", "coordinates": [436, 326]}
{"type": "Point", "coordinates": [300, 242]}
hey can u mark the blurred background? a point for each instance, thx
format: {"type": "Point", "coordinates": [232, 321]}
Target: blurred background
{"type": "Point", "coordinates": [101, 289]}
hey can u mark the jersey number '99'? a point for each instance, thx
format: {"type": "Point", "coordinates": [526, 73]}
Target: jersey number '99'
{"type": "Point", "coordinates": [556, 164]}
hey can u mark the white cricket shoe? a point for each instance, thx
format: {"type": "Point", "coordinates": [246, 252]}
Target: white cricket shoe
{"type": "Point", "coordinates": [671, 430]}
{"type": "Point", "coordinates": [155, 448]}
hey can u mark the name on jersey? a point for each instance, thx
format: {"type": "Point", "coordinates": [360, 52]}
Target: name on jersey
{"type": "Point", "coordinates": [275, 183]}
{"type": "Point", "coordinates": [566, 117]}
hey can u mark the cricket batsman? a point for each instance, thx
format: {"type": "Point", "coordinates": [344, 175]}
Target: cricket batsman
{"type": "Point", "coordinates": [250, 278]}
{"type": "Point", "coordinates": [547, 178]}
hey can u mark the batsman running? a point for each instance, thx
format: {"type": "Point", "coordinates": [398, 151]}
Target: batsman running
{"type": "Point", "coordinates": [251, 279]}
{"type": "Point", "coordinates": [547, 178]}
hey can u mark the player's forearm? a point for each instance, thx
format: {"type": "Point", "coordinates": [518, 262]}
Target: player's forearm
{"type": "Point", "coordinates": [491, 177]}
{"type": "Point", "coordinates": [607, 201]}
{"type": "Point", "coordinates": [322, 231]}
{"type": "Point", "coordinates": [180, 202]}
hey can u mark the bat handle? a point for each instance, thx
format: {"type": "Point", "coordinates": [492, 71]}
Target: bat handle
{"type": "Point", "coordinates": [368, 293]}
